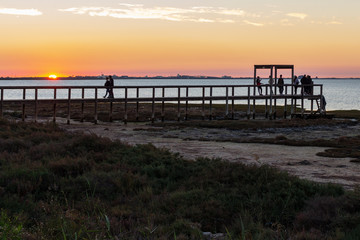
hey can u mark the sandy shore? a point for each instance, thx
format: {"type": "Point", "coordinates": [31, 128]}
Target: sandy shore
{"type": "Point", "coordinates": [299, 161]}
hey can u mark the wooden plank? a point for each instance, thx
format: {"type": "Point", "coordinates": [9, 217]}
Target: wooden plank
{"type": "Point", "coordinates": [232, 103]}
{"type": "Point", "coordinates": [69, 105]}
{"type": "Point", "coordinates": [125, 106]}
{"type": "Point", "coordinates": [163, 105]}
{"type": "Point", "coordinates": [203, 103]}
{"type": "Point", "coordinates": [211, 98]}
{"type": "Point", "coordinates": [54, 106]}
{"type": "Point", "coordinates": [249, 102]}
{"type": "Point", "coordinates": [82, 104]}
{"type": "Point", "coordinates": [178, 108]}
{"type": "Point", "coordinates": [153, 106]}
{"type": "Point", "coordinates": [137, 104]}
{"type": "Point", "coordinates": [285, 102]}
{"type": "Point", "coordinates": [36, 104]}
{"type": "Point", "coordinates": [96, 106]}
{"type": "Point", "coordinates": [1, 102]}
{"type": "Point", "coordinates": [23, 105]}
{"type": "Point", "coordinates": [186, 103]}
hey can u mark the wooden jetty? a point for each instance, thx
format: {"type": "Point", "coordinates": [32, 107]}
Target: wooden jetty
{"type": "Point", "coordinates": [159, 95]}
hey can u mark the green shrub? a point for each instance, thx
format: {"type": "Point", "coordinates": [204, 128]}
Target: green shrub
{"type": "Point", "coordinates": [9, 228]}
{"type": "Point", "coordinates": [64, 185]}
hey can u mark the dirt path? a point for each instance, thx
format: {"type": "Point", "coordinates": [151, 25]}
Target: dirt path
{"type": "Point", "coordinates": [299, 161]}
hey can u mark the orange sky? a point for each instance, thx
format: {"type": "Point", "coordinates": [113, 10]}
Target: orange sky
{"type": "Point", "coordinates": [137, 38]}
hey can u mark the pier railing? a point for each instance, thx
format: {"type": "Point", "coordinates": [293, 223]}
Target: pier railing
{"type": "Point", "coordinates": [183, 96]}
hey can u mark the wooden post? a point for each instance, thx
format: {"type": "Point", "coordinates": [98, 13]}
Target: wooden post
{"type": "Point", "coordinates": [178, 107]}
{"type": "Point", "coordinates": [187, 103]}
{"type": "Point", "coordinates": [82, 104]}
{"type": "Point", "coordinates": [111, 110]}
{"type": "Point", "coordinates": [271, 95]}
{"type": "Point", "coordinates": [137, 104]}
{"type": "Point", "coordinates": [295, 102]}
{"type": "Point", "coordinates": [322, 107]}
{"type": "Point", "coordinates": [96, 106]}
{"type": "Point", "coordinates": [163, 106]}
{"type": "Point", "coordinates": [302, 101]}
{"type": "Point", "coordinates": [275, 92]}
{"type": "Point", "coordinates": [203, 103]}
{"type": "Point", "coordinates": [125, 106]}
{"type": "Point", "coordinates": [36, 104]}
{"type": "Point", "coordinates": [233, 103]}
{"type": "Point", "coordinates": [54, 109]}
{"type": "Point", "coordinates": [153, 106]}
{"type": "Point", "coordinates": [254, 92]}
{"type": "Point", "coordinates": [23, 104]}
{"type": "Point", "coordinates": [293, 99]}
{"type": "Point", "coordinates": [1, 103]}
{"type": "Point", "coordinates": [227, 103]}
{"type": "Point", "coordinates": [249, 108]}
{"type": "Point", "coordinates": [211, 92]}
{"type": "Point", "coordinates": [69, 97]}
{"type": "Point", "coordinates": [285, 101]}
{"type": "Point", "coordinates": [266, 103]}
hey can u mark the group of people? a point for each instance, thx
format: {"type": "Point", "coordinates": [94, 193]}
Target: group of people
{"type": "Point", "coordinates": [109, 83]}
{"type": "Point", "coordinates": [307, 81]}
{"type": "Point", "coordinates": [304, 80]}
{"type": "Point", "coordinates": [280, 84]}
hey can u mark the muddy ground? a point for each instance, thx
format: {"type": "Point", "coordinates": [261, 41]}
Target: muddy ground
{"type": "Point", "coordinates": [193, 143]}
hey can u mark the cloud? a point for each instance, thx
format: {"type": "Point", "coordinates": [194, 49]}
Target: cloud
{"type": "Point", "coordinates": [334, 23]}
{"type": "Point", "coordinates": [301, 16]}
{"type": "Point", "coordinates": [253, 23]}
{"type": "Point", "coordinates": [286, 22]}
{"type": "Point", "coordinates": [138, 11]}
{"type": "Point", "coordinates": [23, 12]}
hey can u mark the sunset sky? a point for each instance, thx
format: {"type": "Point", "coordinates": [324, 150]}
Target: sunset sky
{"type": "Point", "coordinates": [167, 37]}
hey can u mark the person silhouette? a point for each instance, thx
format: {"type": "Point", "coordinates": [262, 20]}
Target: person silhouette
{"type": "Point", "coordinates": [296, 82]}
{"type": "Point", "coordinates": [281, 84]}
{"type": "Point", "coordinates": [258, 84]}
{"type": "Point", "coordinates": [107, 85]}
{"type": "Point", "coordinates": [111, 93]}
{"type": "Point", "coordinates": [271, 82]}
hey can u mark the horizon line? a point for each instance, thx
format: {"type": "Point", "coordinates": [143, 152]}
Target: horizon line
{"type": "Point", "coordinates": [178, 76]}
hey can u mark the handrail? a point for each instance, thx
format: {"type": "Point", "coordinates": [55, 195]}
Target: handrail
{"type": "Point", "coordinates": [151, 86]}
{"type": "Point", "coordinates": [204, 93]}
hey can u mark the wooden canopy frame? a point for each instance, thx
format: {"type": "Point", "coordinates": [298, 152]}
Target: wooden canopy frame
{"type": "Point", "coordinates": [273, 68]}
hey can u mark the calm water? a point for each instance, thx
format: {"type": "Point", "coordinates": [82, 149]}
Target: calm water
{"type": "Point", "coordinates": [340, 94]}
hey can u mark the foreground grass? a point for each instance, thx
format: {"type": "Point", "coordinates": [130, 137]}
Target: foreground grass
{"type": "Point", "coordinates": [56, 185]}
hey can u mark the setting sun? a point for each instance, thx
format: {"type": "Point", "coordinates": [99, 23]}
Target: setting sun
{"type": "Point", "coordinates": [52, 76]}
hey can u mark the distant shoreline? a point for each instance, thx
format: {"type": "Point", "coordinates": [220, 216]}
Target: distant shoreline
{"type": "Point", "coordinates": [158, 77]}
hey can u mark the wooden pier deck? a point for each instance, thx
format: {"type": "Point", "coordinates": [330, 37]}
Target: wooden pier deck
{"type": "Point", "coordinates": [183, 97]}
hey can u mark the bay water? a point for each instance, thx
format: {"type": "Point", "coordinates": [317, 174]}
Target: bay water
{"type": "Point", "coordinates": [340, 94]}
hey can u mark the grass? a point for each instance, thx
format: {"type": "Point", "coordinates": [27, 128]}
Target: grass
{"type": "Point", "coordinates": [350, 114]}
{"type": "Point", "coordinates": [194, 111]}
{"type": "Point", "coordinates": [56, 185]}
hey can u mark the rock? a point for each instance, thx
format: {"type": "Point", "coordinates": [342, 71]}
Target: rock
{"type": "Point", "coordinates": [305, 162]}
{"type": "Point", "coordinates": [341, 166]}
{"type": "Point", "coordinates": [215, 236]}
{"type": "Point", "coordinates": [207, 235]}
{"type": "Point", "coordinates": [355, 161]}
